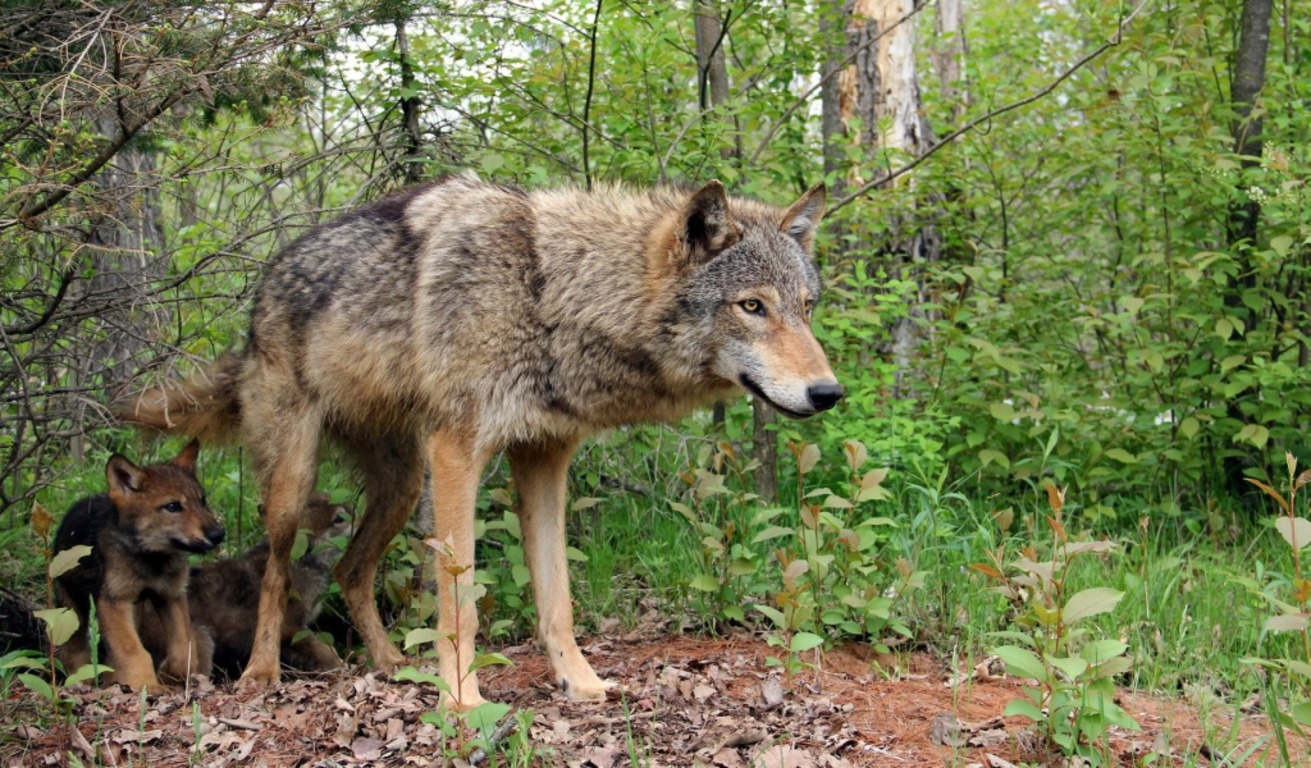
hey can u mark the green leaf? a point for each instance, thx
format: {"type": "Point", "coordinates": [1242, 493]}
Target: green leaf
{"type": "Point", "coordinates": [1188, 427]}
{"type": "Point", "coordinates": [421, 635]}
{"type": "Point", "coordinates": [989, 455]}
{"type": "Point", "coordinates": [1281, 245]}
{"type": "Point", "coordinates": [1121, 455]}
{"type": "Point", "coordinates": [1072, 666]}
{"type": "Point", "coordinates": [37, 684]}
{"type": "Point", "coordinates": [704, 582]}
{"type": "Point", "coordinates": [60, 623]}
{"type": "Point", "coordinates": [65, 560]}
{"type": "Point", "coordinates": [25, 662]}
{"type": "Point", "coordinates": [1024, 708]}
{"type": "Point", "coordinates": [1301, 712]}
{"type": "Point", "coordinates": [1100, 651]}
{"type": "Point", "coordinates": [1090, 602]}
{"type": "Point", "coordinates": [490, 660]}
{"type": "Point", "coordinates": [772, 532]}
{"type": "Point", "coordinates": [87, 672]}
{"type": "Point", "coordinates": [485, 716]}
{"type": "Point", "coordinates": [774, 614]}
{"type": "Point", "coordinates": [804, 641]}
{"type": "Point", "coordinates": [1253, 433]}
{"type": "Point", "coordinates": [1002, 411]}
{"type": "Point", "coordinates": [1021, 662]}
{"type": "Point", "coordinates": [412, 675]}
{"type": "Point", "coordinates": [1296, 531]}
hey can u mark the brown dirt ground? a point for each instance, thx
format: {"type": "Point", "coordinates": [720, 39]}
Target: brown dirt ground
{"type": "Point", "coordinates": [685, 701]}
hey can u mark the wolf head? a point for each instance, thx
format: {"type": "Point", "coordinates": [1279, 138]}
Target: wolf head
{"type": "Point", "coordinates": [750, 269]}
{"type": "Point", "coordinates": [161, 507]}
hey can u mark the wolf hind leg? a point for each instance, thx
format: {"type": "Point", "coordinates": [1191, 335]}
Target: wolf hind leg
{"type": "Point", "coordinates": [540, 474]}
{"type": "Point", "coordinates": [393, 478]}
{"type": "Point", "coordinates": [457, 465]}
{"type": "Point", "coordinates": [285, 440]}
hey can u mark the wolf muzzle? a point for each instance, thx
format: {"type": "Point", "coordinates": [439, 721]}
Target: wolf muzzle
{"type": "Point", "coordinates": [824, 396]}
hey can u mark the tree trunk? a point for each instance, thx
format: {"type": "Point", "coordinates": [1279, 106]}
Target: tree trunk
{"type": "Point", "coordinates": [949, 57]}
{"type": "Point", "coordinates": [880, 88]}
{"type": "Point", "coordinates": [712, 67]}
{"type": "Point", "coordinates": [1247, 82]}
{"type": "Point", "coordinates": [712, 91]}
{"type": "Point", "coordinates": [411, 107]}
{"type": "Point", "coordinates": [125, 250]}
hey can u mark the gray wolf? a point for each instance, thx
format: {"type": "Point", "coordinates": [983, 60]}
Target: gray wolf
{"type": "Point", "coordinates": [224, 599]}
{"type": "Point", "coordinates": [140, 534]}
{"type": "Point", "coordinates": [462, 317]}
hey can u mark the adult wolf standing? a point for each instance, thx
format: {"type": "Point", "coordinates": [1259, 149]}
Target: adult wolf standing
{"type": "Point", "coordinates": [463, 317]}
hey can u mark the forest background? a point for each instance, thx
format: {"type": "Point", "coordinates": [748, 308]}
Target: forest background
{"type": "Point", "coordinates": [1067, 251]}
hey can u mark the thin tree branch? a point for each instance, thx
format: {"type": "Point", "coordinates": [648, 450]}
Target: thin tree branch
{"type": "Point", "coordinates": [587, 100]}
{"type": "Point", "coordinates": [971, 125]}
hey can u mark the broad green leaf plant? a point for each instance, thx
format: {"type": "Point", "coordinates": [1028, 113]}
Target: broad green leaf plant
{"type": "Point", "coordinates": [1072, 695]}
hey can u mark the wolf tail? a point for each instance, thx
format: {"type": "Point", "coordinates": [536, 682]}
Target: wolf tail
{"type": "Point", "coordinates": [204, 406]}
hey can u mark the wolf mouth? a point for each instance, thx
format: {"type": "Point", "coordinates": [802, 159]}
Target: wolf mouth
{"type": "Point", "coordinates": [756, 391]}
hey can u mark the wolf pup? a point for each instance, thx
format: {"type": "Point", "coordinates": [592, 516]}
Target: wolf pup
{"type": "Point", "coordinates": [140, 534]}
{"type": "Point", "coordinates": [462, 317]}
{"type": "Point", "coordinates": [224, 597]}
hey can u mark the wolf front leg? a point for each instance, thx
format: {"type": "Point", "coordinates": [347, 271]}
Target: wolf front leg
{"type": "Point", "coordinates": [185, 655]}
{"type": "Point", "coordinates": [540, 474]}
{"type": "Point", "coordinates": [131, 661]}
{"type": "Point", "coordinates": [457, 464]}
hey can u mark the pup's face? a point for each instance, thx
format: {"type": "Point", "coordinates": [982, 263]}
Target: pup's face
{"type": "Point", "coordinates": [162, 506]}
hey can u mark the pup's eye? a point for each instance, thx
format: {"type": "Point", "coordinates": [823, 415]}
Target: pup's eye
{"type": "Point", "coordinates": [172, 506]}
{"type": "Point", "coordinates": [810, 307]}
{"type": "Point", "coordinates": [752, 307]}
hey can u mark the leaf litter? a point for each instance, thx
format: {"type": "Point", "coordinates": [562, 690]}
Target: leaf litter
{"type": "Point", "coordinates": [681, 701]}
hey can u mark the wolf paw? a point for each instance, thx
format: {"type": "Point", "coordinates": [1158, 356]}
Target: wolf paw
{"type": "Point", "coordinates": [259, 676]}
{"type": "Point", "coordinates": [140, 680]}
{"type": "Point", "coordinates": [594, 689]}
{"type": "Point", "coordinates": [469, 701]}
{"type": "Point", "coordinates": [387, 658]}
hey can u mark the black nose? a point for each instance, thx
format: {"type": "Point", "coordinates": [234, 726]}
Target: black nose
{"type": "Point", "coordinates": [824, 396]}
{"type": "Point", "coordinates": [215, 536]}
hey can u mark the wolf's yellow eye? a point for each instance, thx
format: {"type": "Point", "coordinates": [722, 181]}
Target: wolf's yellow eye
{"type": "Point", "coordinates": [752, 307]}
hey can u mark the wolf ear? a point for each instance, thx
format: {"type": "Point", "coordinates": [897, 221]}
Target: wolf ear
{"type": "Point", "coordinates": [707, 226]}
{"type": "Point", "coordinates": [123, 476]}
{"type": "Point", "coordinates": [802, 219]}
{"type": "Point", "coordinates": [187, 459]}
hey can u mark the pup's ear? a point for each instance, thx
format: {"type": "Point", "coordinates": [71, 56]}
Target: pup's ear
{"type": "Point", "coordinates": [123, 476]}
{"type": "Point", "coordinates": [707, 226]}
{"type": "Point", "coordinates": [802, 219]}
{"type": "Point", "coordinates": [187, 459]}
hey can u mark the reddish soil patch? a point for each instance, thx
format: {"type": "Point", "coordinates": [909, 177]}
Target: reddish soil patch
{"type": "Point", "coordinates": [685, 701]}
